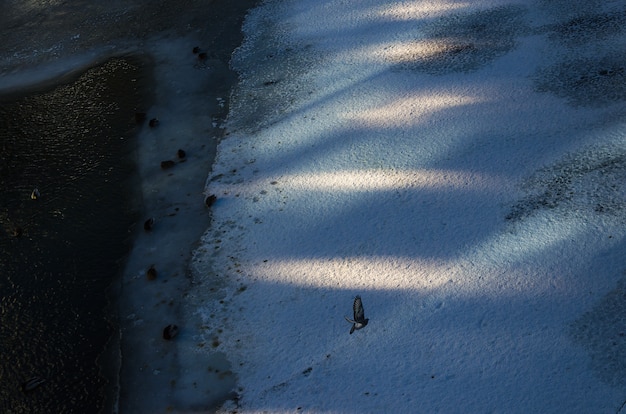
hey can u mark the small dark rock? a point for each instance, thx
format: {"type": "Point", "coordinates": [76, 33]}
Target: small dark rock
{"type": "Point", "coordinates": [169, 332]}
{"type": "Point", "coordinates": [196, 50]}
{"type": "Point", "coordinates": [32, 383]}
{"type": "Point", "coordinates": [181, 154]}
{"type": "Point", "coordinates": [154, 122]}
{"type": "Point", "coordinates": [17, 231]}
{"type": "Point", "coordinates": [202, 55]}
{"type": "Point", "coordinates": [167, 164]}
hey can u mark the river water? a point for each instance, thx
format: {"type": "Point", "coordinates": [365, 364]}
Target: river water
{"type": "Point", "coordinates": [60, 251]}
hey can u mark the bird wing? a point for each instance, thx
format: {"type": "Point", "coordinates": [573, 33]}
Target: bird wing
{"type": "Point", "coordinates": [359, 313]}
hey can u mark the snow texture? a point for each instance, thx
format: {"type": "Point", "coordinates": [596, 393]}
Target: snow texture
{"type": "Point", "coordinates": [462, 167]}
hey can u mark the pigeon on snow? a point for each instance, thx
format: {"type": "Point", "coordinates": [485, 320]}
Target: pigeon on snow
{"type": "Point", "coordinates": [359, 320]}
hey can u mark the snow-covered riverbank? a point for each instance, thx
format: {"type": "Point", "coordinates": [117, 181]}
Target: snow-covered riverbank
{"type": "Point", "coordinates": [461, 166]}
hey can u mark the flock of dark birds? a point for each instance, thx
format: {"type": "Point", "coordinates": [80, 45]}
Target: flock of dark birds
{"type": "Point", "coordinates": [170, 331]}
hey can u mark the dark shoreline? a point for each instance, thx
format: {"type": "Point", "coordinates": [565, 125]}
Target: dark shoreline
{"type": "Point", "coordinates": [156, 374]}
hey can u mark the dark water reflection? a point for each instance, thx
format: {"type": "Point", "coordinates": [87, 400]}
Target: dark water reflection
{"type": "Point", "coordinates": [60, 252]}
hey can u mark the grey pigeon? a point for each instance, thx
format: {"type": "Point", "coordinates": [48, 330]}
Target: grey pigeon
{"type": "Point", "coordinates": [359, 320]}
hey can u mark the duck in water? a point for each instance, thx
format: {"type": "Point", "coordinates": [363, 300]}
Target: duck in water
{"type": "Point", "coordinates": [32, 383]}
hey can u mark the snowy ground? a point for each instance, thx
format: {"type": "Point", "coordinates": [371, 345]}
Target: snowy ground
{"type": "Point", "coordinates": [462, 167]}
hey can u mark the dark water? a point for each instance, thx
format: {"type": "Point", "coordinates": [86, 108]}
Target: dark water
{"type": "Point", "coordinates": [60, 252]}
